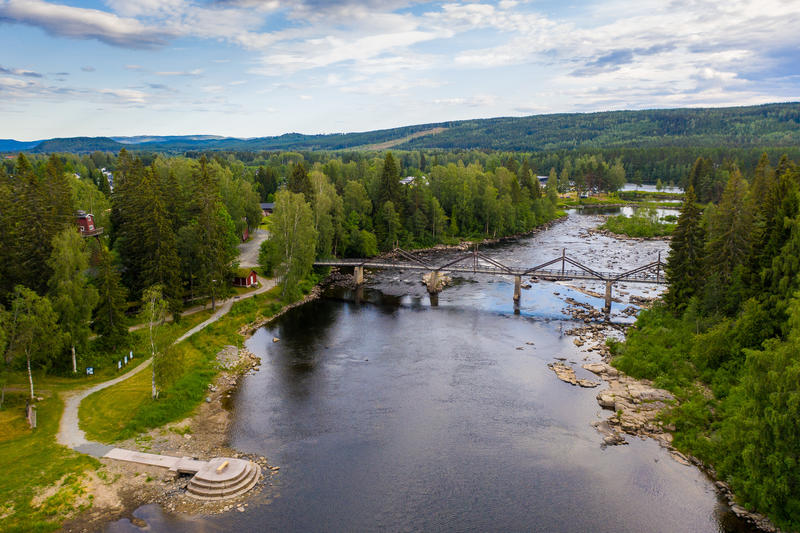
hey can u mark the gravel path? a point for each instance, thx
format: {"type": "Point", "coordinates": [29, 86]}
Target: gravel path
{"type": "Point", "coordinates": [248, 251]}
{"type": "Point", "coordinates": [71, 435]}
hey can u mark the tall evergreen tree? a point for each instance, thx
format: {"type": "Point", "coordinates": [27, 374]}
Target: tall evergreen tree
{"type": "Point", "coordinates": [45, 209]}
{"type": "Point", "coordinates": [160, 264]}
{"type": "Point", "coordinates": [10, 238]}
{"type": "Point", "coordinates": [389, 187]}
{"type": "Point", "coordinates": [300, 183]}
{"type": "Point", "coordinates": [728, 246]}
{"type": "Point", "coordinates": [109, 315]}
{"type": "Point", "coordinates": [685, 261]}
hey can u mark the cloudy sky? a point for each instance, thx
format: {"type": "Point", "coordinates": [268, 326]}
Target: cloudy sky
{"type": "Point", "coordinates": [249, 68]}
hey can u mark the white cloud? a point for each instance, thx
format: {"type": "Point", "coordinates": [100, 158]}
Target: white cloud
{"type": "Point", "coordinates": [188, 73]}
{"type": "Point", "coordinates": [126, 96]}
{"type": "Point", "coordinates": [80, 23]}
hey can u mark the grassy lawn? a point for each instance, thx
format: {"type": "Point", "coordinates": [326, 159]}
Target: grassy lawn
{"type": "Point", "coordinates": [30, 460]}
{"type": "Point", "coordinates": [104, 414]}
{"type": "Point", "coordinates": [122, 411]}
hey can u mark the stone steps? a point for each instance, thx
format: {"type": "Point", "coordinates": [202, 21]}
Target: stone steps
{"type": "Point", "coordinates": [234, 479]}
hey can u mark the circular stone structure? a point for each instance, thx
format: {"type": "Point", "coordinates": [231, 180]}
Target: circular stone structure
{"type": "Point", "coordinates": [223, 478]}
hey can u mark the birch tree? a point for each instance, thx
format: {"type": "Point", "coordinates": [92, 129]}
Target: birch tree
{"type": "Point", "coordinates": [154, 312]}
{"type": "Point", "coordinates": [32, 330]}
{"type": "Point", "coordinates": [292, 244]}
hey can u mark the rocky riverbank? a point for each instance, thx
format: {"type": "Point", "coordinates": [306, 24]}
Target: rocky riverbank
{"type": "Point", "coordinates": [636, 404]}
{"type": "Point", "coordinates": [119, 488]}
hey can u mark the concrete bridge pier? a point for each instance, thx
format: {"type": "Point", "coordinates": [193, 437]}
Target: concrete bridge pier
{"type": "Point", "coordinates": [358, 275]}
{"type": "Point", "coordinates": [607, 308]}
{"type": "Point", "coordinates": [434, 282]}
{"type": "Point", "coordinates": [517, 286]}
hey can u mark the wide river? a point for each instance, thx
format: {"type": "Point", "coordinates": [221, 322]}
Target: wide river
{"type": "Point", "coordinates": [393, 414]}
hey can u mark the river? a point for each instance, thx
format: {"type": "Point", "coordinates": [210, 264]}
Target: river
{"type": "Point", "coordinates": [392, 414]}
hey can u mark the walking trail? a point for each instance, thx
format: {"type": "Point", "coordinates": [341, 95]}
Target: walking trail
{"type": "Point", "coordinates": [71, 435]}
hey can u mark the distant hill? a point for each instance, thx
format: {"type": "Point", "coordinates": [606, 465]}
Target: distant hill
{"type": "Point", "coordinates": [166, 138]}
{"type": "Point", "coordinates": [10, 145]}
{"type": "Point", "coordinates": [770, 125]}
{"type": "Point", "coordinates": [78, 145]}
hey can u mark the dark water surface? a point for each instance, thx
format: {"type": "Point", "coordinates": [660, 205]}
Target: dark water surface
{"type": "Point", "coordinates": [394, 415]}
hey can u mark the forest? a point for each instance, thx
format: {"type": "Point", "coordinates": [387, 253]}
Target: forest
{"type": "Point", "coordinates": [762, 126]}
{"type": "Point", "coordinates": [726, 337]}
{"type": "Point", "coordinates": [171, 226]}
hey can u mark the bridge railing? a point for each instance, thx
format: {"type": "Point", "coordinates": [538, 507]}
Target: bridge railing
{"type": "Point", "coordinates": [478, 263]}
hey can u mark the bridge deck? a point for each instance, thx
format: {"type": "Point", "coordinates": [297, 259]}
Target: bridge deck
{"type": "Point", "coordinates": [550, 274]}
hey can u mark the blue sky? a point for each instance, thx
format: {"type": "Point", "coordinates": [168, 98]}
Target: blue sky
{"type": "Point", "coordinates": [249, 68]}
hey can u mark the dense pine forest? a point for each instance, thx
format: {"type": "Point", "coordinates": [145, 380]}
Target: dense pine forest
{"type": "Point", "coordinates": [726, 338]}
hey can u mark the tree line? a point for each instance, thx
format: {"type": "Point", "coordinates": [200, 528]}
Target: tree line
{"type": "Point", "coordinates": [358, 209]}
{"type": "Point", "coordinates": [727, 337]}
{"type": "Point", "coordinates": [171, 228]}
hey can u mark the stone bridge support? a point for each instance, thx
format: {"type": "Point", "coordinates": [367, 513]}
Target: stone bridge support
{"type": "Point", "coordinates": [607, 308]}
{"type": "Point", "coordinates": [434, 283]}
{"type": "Point", "coordinates": [358, 275]}
{"type": "Point", "coordinates": [517, 286]}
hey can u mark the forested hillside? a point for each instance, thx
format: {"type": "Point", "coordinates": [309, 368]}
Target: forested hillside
{"type": "Point", "coordinates": [726, 339]}
{"type": "Point", "coordinates": [771, 125]}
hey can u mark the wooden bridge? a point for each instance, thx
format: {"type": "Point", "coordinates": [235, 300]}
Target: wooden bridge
{"type": "Point", "coordinates": [562, 268]}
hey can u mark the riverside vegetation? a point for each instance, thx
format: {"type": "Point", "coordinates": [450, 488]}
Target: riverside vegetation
{"type": "Point", "coordinates": [726, 339]}
{"type": "Point", "coordinates": [645, 223]}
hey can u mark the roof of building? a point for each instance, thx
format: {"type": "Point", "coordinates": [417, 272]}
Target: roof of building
{"type": "Point", "coordinates": [267, 205]}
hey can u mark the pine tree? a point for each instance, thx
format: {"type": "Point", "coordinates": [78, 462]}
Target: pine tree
{"type": "Point", "coordinates": [300, 183]}
{"type": "Point", "coordinates": [44, 210]}
{"type": "Point", "coordinates": [728, 247]}
{"type": "Point", "coordinates": [685, 261]}
{"type": "Point", "coordinates": [160, 264]}
{"type": "Point", "coordinates": [10, 238]}
{"type": "Point", "coordinates": [109, 315]}
{"type": "Point", "coordinates": [389, 188]}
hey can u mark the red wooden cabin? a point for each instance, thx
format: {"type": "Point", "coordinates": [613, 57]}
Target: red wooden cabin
{"type": "Point", "coordinates": [245, 278]}
{"type": "Point", "coordinates": [86, 224]}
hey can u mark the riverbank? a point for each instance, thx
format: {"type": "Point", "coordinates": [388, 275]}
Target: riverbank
{"type": "Point", "coordinates": [637, 406]}
{"type": "Point", "coordinates": [119, 488]}
{"type": "Point", "coordinates": [46, 484]}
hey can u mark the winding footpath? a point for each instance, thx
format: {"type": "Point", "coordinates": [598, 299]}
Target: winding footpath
{"type": "Point", "coordinates": [69, 432]}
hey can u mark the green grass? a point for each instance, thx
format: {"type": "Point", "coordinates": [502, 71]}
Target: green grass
{"type": "Point", "coordinates": [643, 223]}
{"type": "Point", "coordinates": [34, 460]}
{"type": "Point", "coordinates": [126, 409]}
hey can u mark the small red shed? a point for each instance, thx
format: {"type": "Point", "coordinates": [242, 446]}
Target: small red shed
{"type": "Point", "coordinates": [246, 277]}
